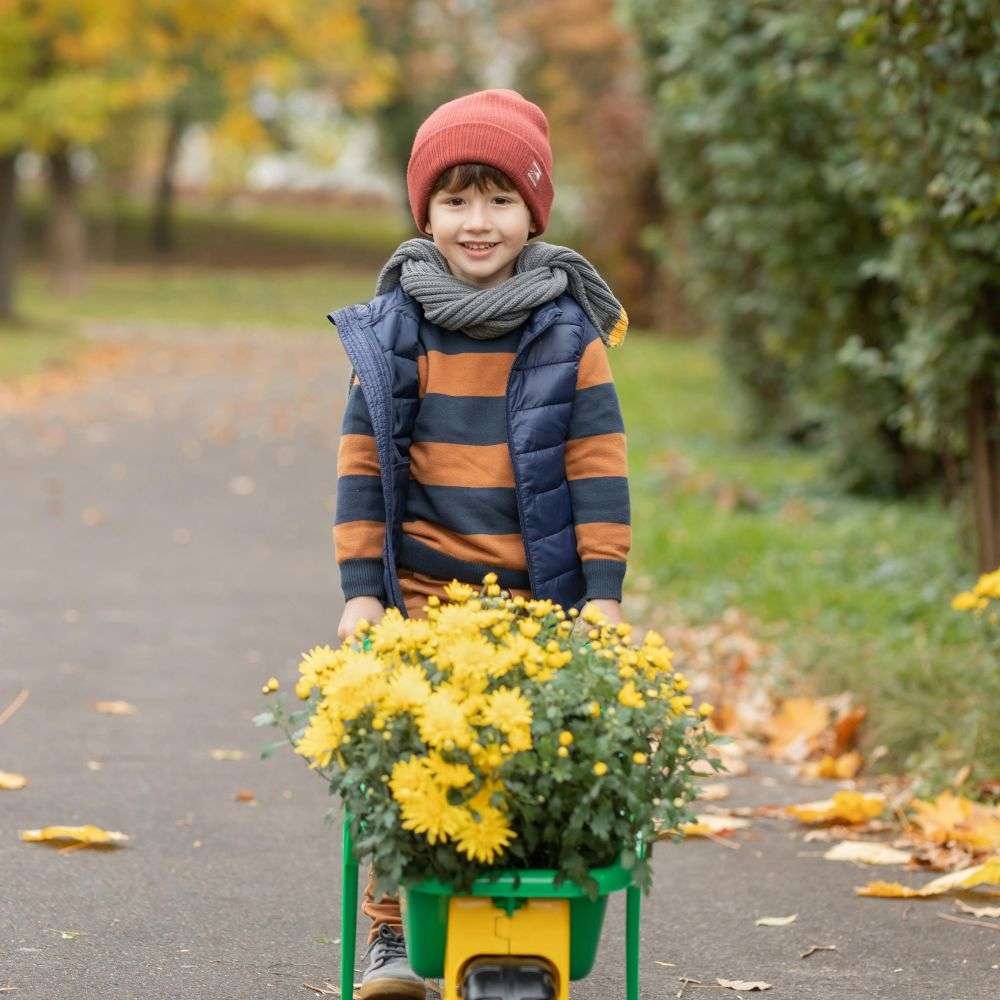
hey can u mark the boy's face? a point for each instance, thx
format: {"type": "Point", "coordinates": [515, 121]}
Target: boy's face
{"type": "Point", "coordinates": [460, 222]}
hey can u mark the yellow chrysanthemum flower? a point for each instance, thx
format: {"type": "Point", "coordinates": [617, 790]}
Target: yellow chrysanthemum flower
{"type": "Point", "coordinates": [359, 684]}
{"type": "Point", "coordinates": [507, 709]}
{"type": "Point", "coordinates": [319, 663]}
{"type": "Point", "coordinates": [322, 737]}
{"type": "Point", "coordinates": [442, 721]}
{"type": "Point", "coordinates": [482, 837]}
{"type": "Point", "coordinates": [448, 774]}
{"type": "Point", "coordinates": [630, 697]}
{"type": "Point", "coordinates": [427, 811]}
{"type": "Point", "coordinates": [458, 592]}
{"type": "Point", "coordinates": [406, 689]}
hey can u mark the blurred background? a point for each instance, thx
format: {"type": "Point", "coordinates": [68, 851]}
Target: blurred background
{"type": "Point", "coordinates": [797, 202]}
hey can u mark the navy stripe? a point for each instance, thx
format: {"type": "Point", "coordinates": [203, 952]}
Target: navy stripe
{"type": "Point", "coordinates": [596, 411]}
{"type": "Point", "coordinates": [600, 498]}
{"type": "Point", "coordinates": [356, 419]}
{"type": "Point", "coordinates": [465, 509]}
{"type": "Point", "coordinates": [359, 498]}
{"type": "Point", "coordinates": [461, 419]}
{"type": "Point", "coordinates": [362, 578]}
{"type": "Point", "coordinates": [604, 578]}
{"type": "Point", "coordinates": [415, 555]}
{"type": "Point", "coordinates": [434, 338]}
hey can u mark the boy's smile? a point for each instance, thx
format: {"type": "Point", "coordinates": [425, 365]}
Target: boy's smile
{"type": "Point", "coordinates": [479, 233]}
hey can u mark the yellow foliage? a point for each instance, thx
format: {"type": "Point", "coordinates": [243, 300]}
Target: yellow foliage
{"type": "Point", "coordinates": [844, 807]}
{"type": "Point", "coordinates": [987, 873]}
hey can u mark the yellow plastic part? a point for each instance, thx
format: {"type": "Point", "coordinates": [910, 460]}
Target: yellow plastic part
{"type": "Point", "coordinates": [477, 928]}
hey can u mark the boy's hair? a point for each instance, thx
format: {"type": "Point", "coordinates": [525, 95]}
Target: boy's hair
{"type": "Point", "coordinates": [462, 175]}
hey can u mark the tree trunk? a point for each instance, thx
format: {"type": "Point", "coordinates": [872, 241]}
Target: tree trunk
{"type": "Point", "coordinates": [9, 233]}
{"type": "Point", "coordinates": [162, 234]}
{"type": "Point", "coordinates": [984, 461]}
{"type": "Point", "coordinates": [66, 233]}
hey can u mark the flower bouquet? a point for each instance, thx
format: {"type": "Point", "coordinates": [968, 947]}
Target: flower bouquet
{"type": "Point", "coordinates": [500, 733]}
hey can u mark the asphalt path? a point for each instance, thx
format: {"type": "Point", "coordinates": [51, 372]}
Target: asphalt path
{"type": "Point", "coordinates": [166, 542]}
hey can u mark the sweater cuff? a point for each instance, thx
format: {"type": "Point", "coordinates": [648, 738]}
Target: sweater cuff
{"type": "Point", "coordinates": [362, 578]}
{"type": "Point", "coordinates": [603, 578]}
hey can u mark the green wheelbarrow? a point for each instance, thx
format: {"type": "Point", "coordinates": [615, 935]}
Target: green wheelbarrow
{"type": "Point", "coordinates": [515, 935]}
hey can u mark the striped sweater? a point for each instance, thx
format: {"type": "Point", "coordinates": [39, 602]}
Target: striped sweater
{"type": "Point", "coordinates": [461, 516]}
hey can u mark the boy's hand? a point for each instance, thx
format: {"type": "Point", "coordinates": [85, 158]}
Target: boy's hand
{"type": "Point", "coordinates": [369, 608]}
{"type": "Point", "coordinates": [611, 609]}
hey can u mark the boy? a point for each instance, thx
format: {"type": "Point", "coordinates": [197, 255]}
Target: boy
{"type": "Point", "coordinates": [482, 431]}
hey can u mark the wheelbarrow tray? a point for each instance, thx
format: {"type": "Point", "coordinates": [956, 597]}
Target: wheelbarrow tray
{"type": "Point", "coordinates": [425, 911]}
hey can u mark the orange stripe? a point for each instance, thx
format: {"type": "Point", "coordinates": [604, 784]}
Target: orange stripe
{"type": "Point", "coordinates": [358, 540]}
{"type": "Point", "coordinates": [505, 551]}
{"type": "Point", "coordinates": [435, 463]}
{"type": "Point", "coordinates": [594, 368]}
{"type": "Point", "coordinates": [603, 540]}
{"type": "Point", "coordinates": [357, 455]}
{"type": "Point", "coordinates": [468, 374]}
{"type": "Point", "coordinates": [597, 455]}
{"type": "Point", "coordinates": [417, 587]}
{"type": "Point", "coordinates": [422, 375]}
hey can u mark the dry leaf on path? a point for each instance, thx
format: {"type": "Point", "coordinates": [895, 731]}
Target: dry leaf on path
{"type": "Point", "coordinates": [987, 873]}
{"type": "Point", "coordinates": [707, 825]}
{"type": "Point", "coordinates": [739, 984]}
{"type": "Point", "coordinates": [866, 852]}
{"type": "Point", "coordinates": [10, 782]}
{"type": "Point", "coordinates": [837, 768]}
{"type": "Point", "coordinates": [87, 834]}
{"type": "Point", "coordinates": [116, 708]}
{"type": "Point", "coordinates": [245, 795]}
{"type": "Point", "coordinates": [954, 819]}
{"type": "Point", "coordinates": [793, 730]}
{"type": "Point", "coordinates": [713, 792]}
{"type": "Point", "coordinates": [219, 753]}
{"type": "Point", "coordinates": [813, 948]}
{"type": "Point", "coordinates": [978, 911]}
{"type": "Point", "coordinates": [775, 921]}
{"type": "Point", "coordinates": [21, 698]}
{"type": "Point", "coordinates": [844, 807]}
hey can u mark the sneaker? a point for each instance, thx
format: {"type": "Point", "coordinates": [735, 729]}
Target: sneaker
{"type": "Point", "coordinates": [388, 975]}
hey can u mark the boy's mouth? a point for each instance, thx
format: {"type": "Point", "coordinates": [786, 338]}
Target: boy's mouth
{"type": "Point", "coordinates": [478, 249]}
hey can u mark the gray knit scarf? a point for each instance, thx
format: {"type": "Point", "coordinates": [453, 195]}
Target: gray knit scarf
{"type": "Point", "coordinates": [542, 272]}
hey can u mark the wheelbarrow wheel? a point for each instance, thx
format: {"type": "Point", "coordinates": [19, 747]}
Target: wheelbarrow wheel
{"type": "Point", "coordinates": [508, 979]}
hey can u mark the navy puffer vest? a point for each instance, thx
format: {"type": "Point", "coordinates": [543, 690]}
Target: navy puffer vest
{"type": "Point", "coordinates": [380, 338]}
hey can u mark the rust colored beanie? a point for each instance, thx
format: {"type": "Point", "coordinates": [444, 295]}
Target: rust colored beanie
{"type": "Point", "coordinates": [496, 127]}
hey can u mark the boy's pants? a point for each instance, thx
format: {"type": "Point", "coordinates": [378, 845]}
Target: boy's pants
{"type": "Point", "coordinates": [382, 911]}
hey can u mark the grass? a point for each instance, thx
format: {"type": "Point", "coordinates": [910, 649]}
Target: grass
{"type": "Point", "coordinates": [856, 591]}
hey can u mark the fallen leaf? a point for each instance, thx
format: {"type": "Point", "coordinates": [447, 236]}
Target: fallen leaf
{"type": "Point", "coordinates": [844, 807]}
{"type": "Point", "coordinates": [813, 948]}
{"type": "Point", "coordinates": [10, 782]}
{"type": "Point", "coordinates": [978, 911]}
{"type": "Point", "coordinates": [116, 707]}
{"type": "Point", "coordinates": [795, 727]}
{"type": "Point", "coordinates": [867, 853]}
{"type": "Point", "coordinates": [775, 921]}
{"type": "Point", "coordinates": [836, 768]}
{"type": "Point", "coordinates": [87, 834]}
{"type": "Point", "coordinates": [987, 873]}
{"type": "Point", "coordinates": [739, 984]}
{"type": "Point", "coordinates": [969, 921]}
{"type": "Point", "coordinates": [845, 732]}
{"type": "Point", "coordinates": [221, 754]}
{"type": "Point", "coordinates": [707, 825]}
{"type": "Point", "coordinates": [21, 698]}
{"type": "Point", "coordinates": [713, 792]}
{"type": "Point", "coordinates": [954, 819]}
{"type": "Point", "coordinates": [245, 795]}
